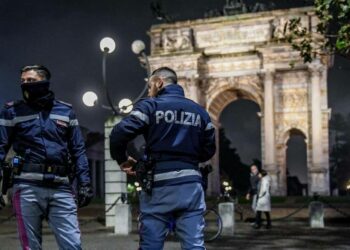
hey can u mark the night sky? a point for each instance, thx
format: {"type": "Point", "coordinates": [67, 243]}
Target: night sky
{"type": "Point", "coordinates": [64, 35]}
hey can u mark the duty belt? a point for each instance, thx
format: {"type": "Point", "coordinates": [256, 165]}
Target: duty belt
{"type": "Point", "coordinates": [45, 168]}
{"type": "Point", "coordinates": [162, 156]}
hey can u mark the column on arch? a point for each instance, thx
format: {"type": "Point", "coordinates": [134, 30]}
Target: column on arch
{"type": "Point", "coordinates": [269, 162]}
{"type": "Point", "coordinates": [318, 173]}
{"type": "Point", "coordinates": [214, 177]}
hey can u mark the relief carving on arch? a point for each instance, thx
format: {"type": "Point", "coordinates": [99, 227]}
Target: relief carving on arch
{"type": "Point", "coordinates": [286, 122]}
{"type": "Point", "coordinates": [217, 66]}
{"type": "Point", "coordinates": [292, 91]}
{"type": "Point", "coordinates": [177, 40]}
{"type": "Point", "coordinates": [293, 78]}
{"type": "Point", "coordinates": [280, 26]}
{"type": "Point", "coordinates": [280, 29]}
{"type": "Point", "coordinates": [293, 100]}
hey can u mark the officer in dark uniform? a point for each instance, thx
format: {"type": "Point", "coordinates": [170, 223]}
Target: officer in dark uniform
{"type": "Point", "coordinates": [179, 135]}
{"type": "Point", "coordinates": [44, 133]}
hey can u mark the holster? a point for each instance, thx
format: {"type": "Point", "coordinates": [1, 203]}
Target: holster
{"type": "Point", "coordinates": [145, 175]}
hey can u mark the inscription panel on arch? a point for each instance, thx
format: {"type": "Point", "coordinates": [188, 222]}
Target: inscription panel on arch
{"type": "Point", "coordinates": [232, 34]}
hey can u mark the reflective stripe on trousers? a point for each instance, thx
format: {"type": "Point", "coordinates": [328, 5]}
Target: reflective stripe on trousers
{"type": "Point", "coordinates": [34, 203]}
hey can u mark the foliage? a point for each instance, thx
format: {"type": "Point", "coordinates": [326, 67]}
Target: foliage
{"type": "Point", "coordinates": [334, 26]}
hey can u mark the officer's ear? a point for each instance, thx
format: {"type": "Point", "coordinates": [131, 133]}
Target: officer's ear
{"type": "Point", "coordinates": [159, 84]}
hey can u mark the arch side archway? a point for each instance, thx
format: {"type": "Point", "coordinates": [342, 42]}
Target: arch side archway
{"type": "Point", "coordinates": [282, 153]}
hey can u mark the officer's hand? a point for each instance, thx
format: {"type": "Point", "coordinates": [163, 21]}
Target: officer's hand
{"type": "Point", "coordinates": [85, 195]}
{"type": "Point", "coordinates": [247, 196]}
{"type": "Point", "coordinates": [128, 165]}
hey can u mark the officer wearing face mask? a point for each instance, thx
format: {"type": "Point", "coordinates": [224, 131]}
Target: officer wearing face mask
{"type": "Point", "coordinates": [179, 135]}
{"type": "Point", "coordinates": [45, 135]}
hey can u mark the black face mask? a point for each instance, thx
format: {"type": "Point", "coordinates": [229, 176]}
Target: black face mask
{"type": "Point", "coordinates": [33, 91]}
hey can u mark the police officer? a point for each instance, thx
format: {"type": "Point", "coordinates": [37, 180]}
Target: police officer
{"type": "Point", "coordinates": [179, 135]}
{"type": "Point", "coordinates": [44, 133]}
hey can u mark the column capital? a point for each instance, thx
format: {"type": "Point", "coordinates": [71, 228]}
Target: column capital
{"type": "Point", "coordinates": [318, 168]}
{"type": "Point", "coordinates": [192, 81]}
{"type": "Point", "coordinates": [216, 123]}
{"type": "Point", "coordinates": [267, 74]}
{"type": "Point", "coordinates": [271, 168]}
{"type": "Point", "coordinates": [316, 68]}
{"type": "Point", "coordinates": [268, 71]}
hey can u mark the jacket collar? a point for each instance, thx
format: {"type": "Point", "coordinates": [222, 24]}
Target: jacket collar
{"type": "Point", "coordinates": [172, 89]}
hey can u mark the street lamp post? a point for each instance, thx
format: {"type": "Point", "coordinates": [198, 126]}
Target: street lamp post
{"type": "Point", "coordinates": [121, 219]}
{"type": "Point", "coordinates": [138, 47]}
{"type": "Point", "coordinates": [107, 46]}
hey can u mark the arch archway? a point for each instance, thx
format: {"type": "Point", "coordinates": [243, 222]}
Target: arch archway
{"type": "Point", "coordinates": [240, 142]}
{"type": "Point", "coordinates": [296, 163]}
{"type": "Point", "coordinates": [229, 90]}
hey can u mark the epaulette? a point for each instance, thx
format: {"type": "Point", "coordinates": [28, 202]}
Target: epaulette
{"type": "Point", "coordinates": [12, 104]}
{"type": "Point", "coordinates": [65, 103]}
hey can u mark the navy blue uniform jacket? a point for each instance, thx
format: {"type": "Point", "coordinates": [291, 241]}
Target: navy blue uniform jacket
{"type": "Point", "coordinates": [174, 127]}
{"type": "Point", "coordinates": [45, 136]}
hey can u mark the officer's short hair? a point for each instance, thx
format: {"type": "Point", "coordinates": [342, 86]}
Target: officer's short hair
{"type": "Point", "coordinates": [167, 74]}
{"type": "Point", "coordinates": [39, 69]}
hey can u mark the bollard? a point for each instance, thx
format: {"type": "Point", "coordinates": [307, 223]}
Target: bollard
{"type": "Point", "coordinates": [227, 214]}
{"type": "Point", "coordinates": [123, 223]}
{"type": "Point", "coordinates": [316, 214]}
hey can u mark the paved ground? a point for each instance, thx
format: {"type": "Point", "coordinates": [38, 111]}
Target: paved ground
{"type": "Point", "coordinates": [290, 234]}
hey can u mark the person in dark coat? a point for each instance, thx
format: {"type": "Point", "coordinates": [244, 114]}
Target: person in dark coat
{"type": "Point", "coordinates": [253, 188]}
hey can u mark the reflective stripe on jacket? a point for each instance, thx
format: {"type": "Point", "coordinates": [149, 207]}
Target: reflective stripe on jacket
{"type": "Point", "coordinates": [175, 129]}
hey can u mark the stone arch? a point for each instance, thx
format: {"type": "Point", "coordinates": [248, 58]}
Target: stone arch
{"type": "Point", "coordinates": [219, 98]}
{"type": "Point", "coordinates": [282, 154]}
{"type": "Point", "coordinates": [218, 67]}
{"type": "Point", "coordinates": [294, 130]}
